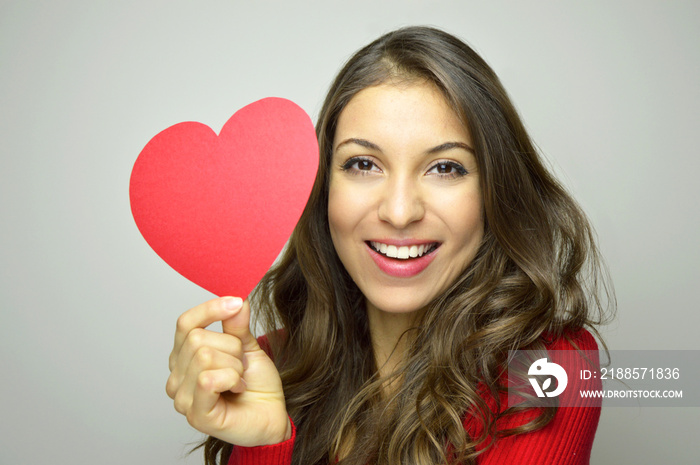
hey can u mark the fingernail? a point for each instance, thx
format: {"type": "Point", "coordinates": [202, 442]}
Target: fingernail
{"type": "Point", "coordinates": [233, 303]}
{"type": "Point", "coordinates": [245, 362]}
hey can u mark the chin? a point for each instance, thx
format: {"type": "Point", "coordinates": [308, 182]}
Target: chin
{"type": "Point", "coordinates": [397, 306]}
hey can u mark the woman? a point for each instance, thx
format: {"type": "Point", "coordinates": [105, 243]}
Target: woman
{"type": "Point", "coordinates": [434, 242]}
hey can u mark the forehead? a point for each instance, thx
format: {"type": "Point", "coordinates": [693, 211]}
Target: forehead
{"type": "Point", "coordinates": [412, 112]}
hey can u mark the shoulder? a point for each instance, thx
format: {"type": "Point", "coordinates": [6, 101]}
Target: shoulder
{"type": "Point", "coordinates": [573, 351]}
{"type": "Point", "coordinates": [568, 437]}
{"type": "Point", "coordinates": [576, 352]}
{"type": "Point", "coordinates": [580, 339]}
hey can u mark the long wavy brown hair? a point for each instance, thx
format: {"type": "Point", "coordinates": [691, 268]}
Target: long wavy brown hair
{"type": "Point", "coordinates": [536, 272]}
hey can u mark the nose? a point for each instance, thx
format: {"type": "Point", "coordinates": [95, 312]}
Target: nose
{"type": "Point", "coordinates": [401, 203]}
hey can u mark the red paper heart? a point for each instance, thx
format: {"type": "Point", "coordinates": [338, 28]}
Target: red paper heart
{"type": "Point", "coordinates": [219, 209]}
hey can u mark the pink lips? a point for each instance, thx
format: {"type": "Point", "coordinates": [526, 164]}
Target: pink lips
{"type": "Point", "coordinates": [401, 268]}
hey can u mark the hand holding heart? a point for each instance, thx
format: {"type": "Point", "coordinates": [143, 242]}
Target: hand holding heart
{"type": "Point", "coordinates": [224, 383]}
{"type": "Point", "coordinates": [219, 208]}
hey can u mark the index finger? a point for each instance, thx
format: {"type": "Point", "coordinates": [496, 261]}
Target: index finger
{"type": "Point", "coordinates": [203, 315]}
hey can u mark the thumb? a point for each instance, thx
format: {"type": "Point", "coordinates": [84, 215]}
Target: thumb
{"type": "Point", "coordinates": [239, 325]}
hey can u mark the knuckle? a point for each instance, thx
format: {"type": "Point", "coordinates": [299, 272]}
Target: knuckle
{"type": "Point", "coordinates": [196, 337]}
{"type": "Point", "coordinates": [183, 323]}
{"type": "Point", "coordinates": [181, 405]}
{"type": "Point", "coordinates": [171, 387]}
{"type": "Point", "coordinates": [205, 381]}
{"type": "Point", "coordinates": [204, 356]}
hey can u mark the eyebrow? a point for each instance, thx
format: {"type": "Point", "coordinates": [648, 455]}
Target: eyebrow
{"type": "Point", "coordinates": [440, 148]}
{"type": "Point", "coordinates": [362, 142]}
{"type": "Point", "coordinates": [451, 145]}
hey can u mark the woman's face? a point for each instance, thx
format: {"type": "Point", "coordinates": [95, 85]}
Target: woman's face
{"type": "Point", "coordinates": [404, 205]}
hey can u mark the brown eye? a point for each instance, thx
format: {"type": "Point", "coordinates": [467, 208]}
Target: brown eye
{"type": "Point", "coordinates": [447, 170]}
{"type": "Point", "coordinates": [361, 166]}
{"type": "Point", "coordinates": [444, 168]}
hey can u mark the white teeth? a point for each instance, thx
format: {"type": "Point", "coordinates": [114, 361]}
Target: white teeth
{"type": "Point", "coordinates": [403, 252]}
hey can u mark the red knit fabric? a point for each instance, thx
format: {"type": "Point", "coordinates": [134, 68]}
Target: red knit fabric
{"type": "Point", "coordinates": [566, 440]}
{"type": "Point", "coordinates": [275, 454]}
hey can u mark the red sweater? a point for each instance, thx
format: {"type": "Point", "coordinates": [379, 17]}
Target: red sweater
{"type": "Point", "coordinates": [566, 440]}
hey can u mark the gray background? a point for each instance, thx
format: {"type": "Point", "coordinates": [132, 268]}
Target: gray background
{"type": "Point", "coordinates": [609, 91]}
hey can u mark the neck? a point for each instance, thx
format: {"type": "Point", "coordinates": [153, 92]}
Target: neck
{"type": "Point", "coordinates": [389, 337]}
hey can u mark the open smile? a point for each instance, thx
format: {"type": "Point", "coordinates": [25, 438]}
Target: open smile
{"type": "Point", "coordinates": [403, 252]}
{"type": "Point", "coordinates": [402, 260]}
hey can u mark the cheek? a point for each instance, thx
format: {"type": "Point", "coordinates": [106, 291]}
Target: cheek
{"type": "Point", "coordinates": [464, 217]}
{"type": "Point", "coordinates": [340, 213]}
{"type": "Point", "coordinates": [348, 211]}
{"type": "Point", "coordinates": [334, 215]}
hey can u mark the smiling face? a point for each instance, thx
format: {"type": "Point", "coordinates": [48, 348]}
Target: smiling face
{"type": "Point", "coordinates": [404, 204]}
